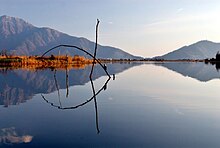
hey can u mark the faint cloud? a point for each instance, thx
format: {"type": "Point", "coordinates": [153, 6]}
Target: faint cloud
{"type": "Point", "coordinates": [184, 23]}
{"type": "Point", "coordinates": [156, 23]}
{"type": "Point", "coordinates": [180, 10]}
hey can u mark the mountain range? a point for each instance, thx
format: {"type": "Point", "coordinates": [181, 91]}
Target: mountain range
{"type": "Point", "coordinates": [200, 50]}
{"type": "Point", "coordinates": [22, 38]}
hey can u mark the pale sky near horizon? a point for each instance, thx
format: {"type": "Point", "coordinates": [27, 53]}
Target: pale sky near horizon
{"type": "Point", "coordinates": [141, 27]}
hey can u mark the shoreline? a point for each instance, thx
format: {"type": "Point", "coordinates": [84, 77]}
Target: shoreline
{"type": "Point", "coordinates": [73, 62]}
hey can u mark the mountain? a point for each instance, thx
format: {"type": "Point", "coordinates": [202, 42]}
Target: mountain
{"type": "Point", "coordinates": [196, 70]}
{"type": "Point", "coordinates": [200, 50]}
{"type": "Point", "coordinates": [22, 38]}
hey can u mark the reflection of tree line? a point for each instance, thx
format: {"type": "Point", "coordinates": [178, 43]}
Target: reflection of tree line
{"type": "Point", "coordinates": [214, 61]}
{"type": "Point", "coordinates": [18, 85]}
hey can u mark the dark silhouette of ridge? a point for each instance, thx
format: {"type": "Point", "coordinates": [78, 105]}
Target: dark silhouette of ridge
{"type": "Point", "coordinates": [200, 50]}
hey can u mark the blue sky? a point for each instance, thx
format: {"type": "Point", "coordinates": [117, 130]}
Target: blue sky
{"type": "Point", "coordinates": [141, 27]}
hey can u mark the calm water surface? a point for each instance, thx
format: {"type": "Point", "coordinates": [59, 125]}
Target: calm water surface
{"type": "Point", "coordinates": [147, 105]}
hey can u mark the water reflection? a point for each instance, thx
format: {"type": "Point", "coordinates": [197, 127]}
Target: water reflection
{"type": "Point", "coordinates": [60, 106]}
{"type": "Point", "coordinates": [19, 85]}
{"type": "Point", "coordinates": [142, 108]}
{"type": "Point", "coordinates": [10, 136]}
{"type": "Point", "coordinates": [199, 71]}
{"type": "Point", "coordinates": [216, 63]}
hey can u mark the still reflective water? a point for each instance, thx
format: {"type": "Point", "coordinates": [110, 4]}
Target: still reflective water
{"type": "Point", "coordinates": [147, 105]}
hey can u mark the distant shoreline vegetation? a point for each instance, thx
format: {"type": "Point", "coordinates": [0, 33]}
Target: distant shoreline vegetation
{"type": "Point", "coordinates": [35, 62]}
{"type": "Point", "coordinates": [66, 59]}
{"type": "Point", "coordinates": [53, 62]}
{"type": "Point", "coordinates": [76, 61]}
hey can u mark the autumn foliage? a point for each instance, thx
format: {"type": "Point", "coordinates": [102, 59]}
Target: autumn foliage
{"type": "Point", "coordinates": [44, 62]}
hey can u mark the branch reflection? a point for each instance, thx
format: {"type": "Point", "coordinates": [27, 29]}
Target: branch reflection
{"type": "Point", "coordinates": [104, 87]}
{"type": "Point", "coordinates": [57, 87]}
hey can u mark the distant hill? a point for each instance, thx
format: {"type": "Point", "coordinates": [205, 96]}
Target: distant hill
{"type": "Point", "coordinates": [200, 50]}
{"type": "Point", "coordinates": [22, 38]}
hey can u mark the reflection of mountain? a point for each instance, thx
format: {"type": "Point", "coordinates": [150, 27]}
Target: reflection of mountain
{"type": "Point", "coordinates": [17, 86]}
{"type": "Point", "coordinates": [200, 71]}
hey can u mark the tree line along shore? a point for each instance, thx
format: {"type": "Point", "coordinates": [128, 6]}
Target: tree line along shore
{"type": "Point", "coordinates": [57, 62]}
{"type": "Point", "coordinates": [43, 62]}
{"type": "Point", "coordinates": [66, 61]}
{"type": "Point", "coordinates": [72, 60]}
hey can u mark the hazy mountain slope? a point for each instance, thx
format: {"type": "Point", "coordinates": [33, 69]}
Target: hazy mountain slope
{"type": "Point", "coordinates": [22, 38]}
{"type": "Point", "coordinates": [199, 50]}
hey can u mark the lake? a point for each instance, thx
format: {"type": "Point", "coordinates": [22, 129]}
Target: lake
{"type": "Point", "coordinates": [158, 105]}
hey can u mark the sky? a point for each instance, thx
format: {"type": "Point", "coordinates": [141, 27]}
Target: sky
{"type": "Point", "coordinates": [146, 28]}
